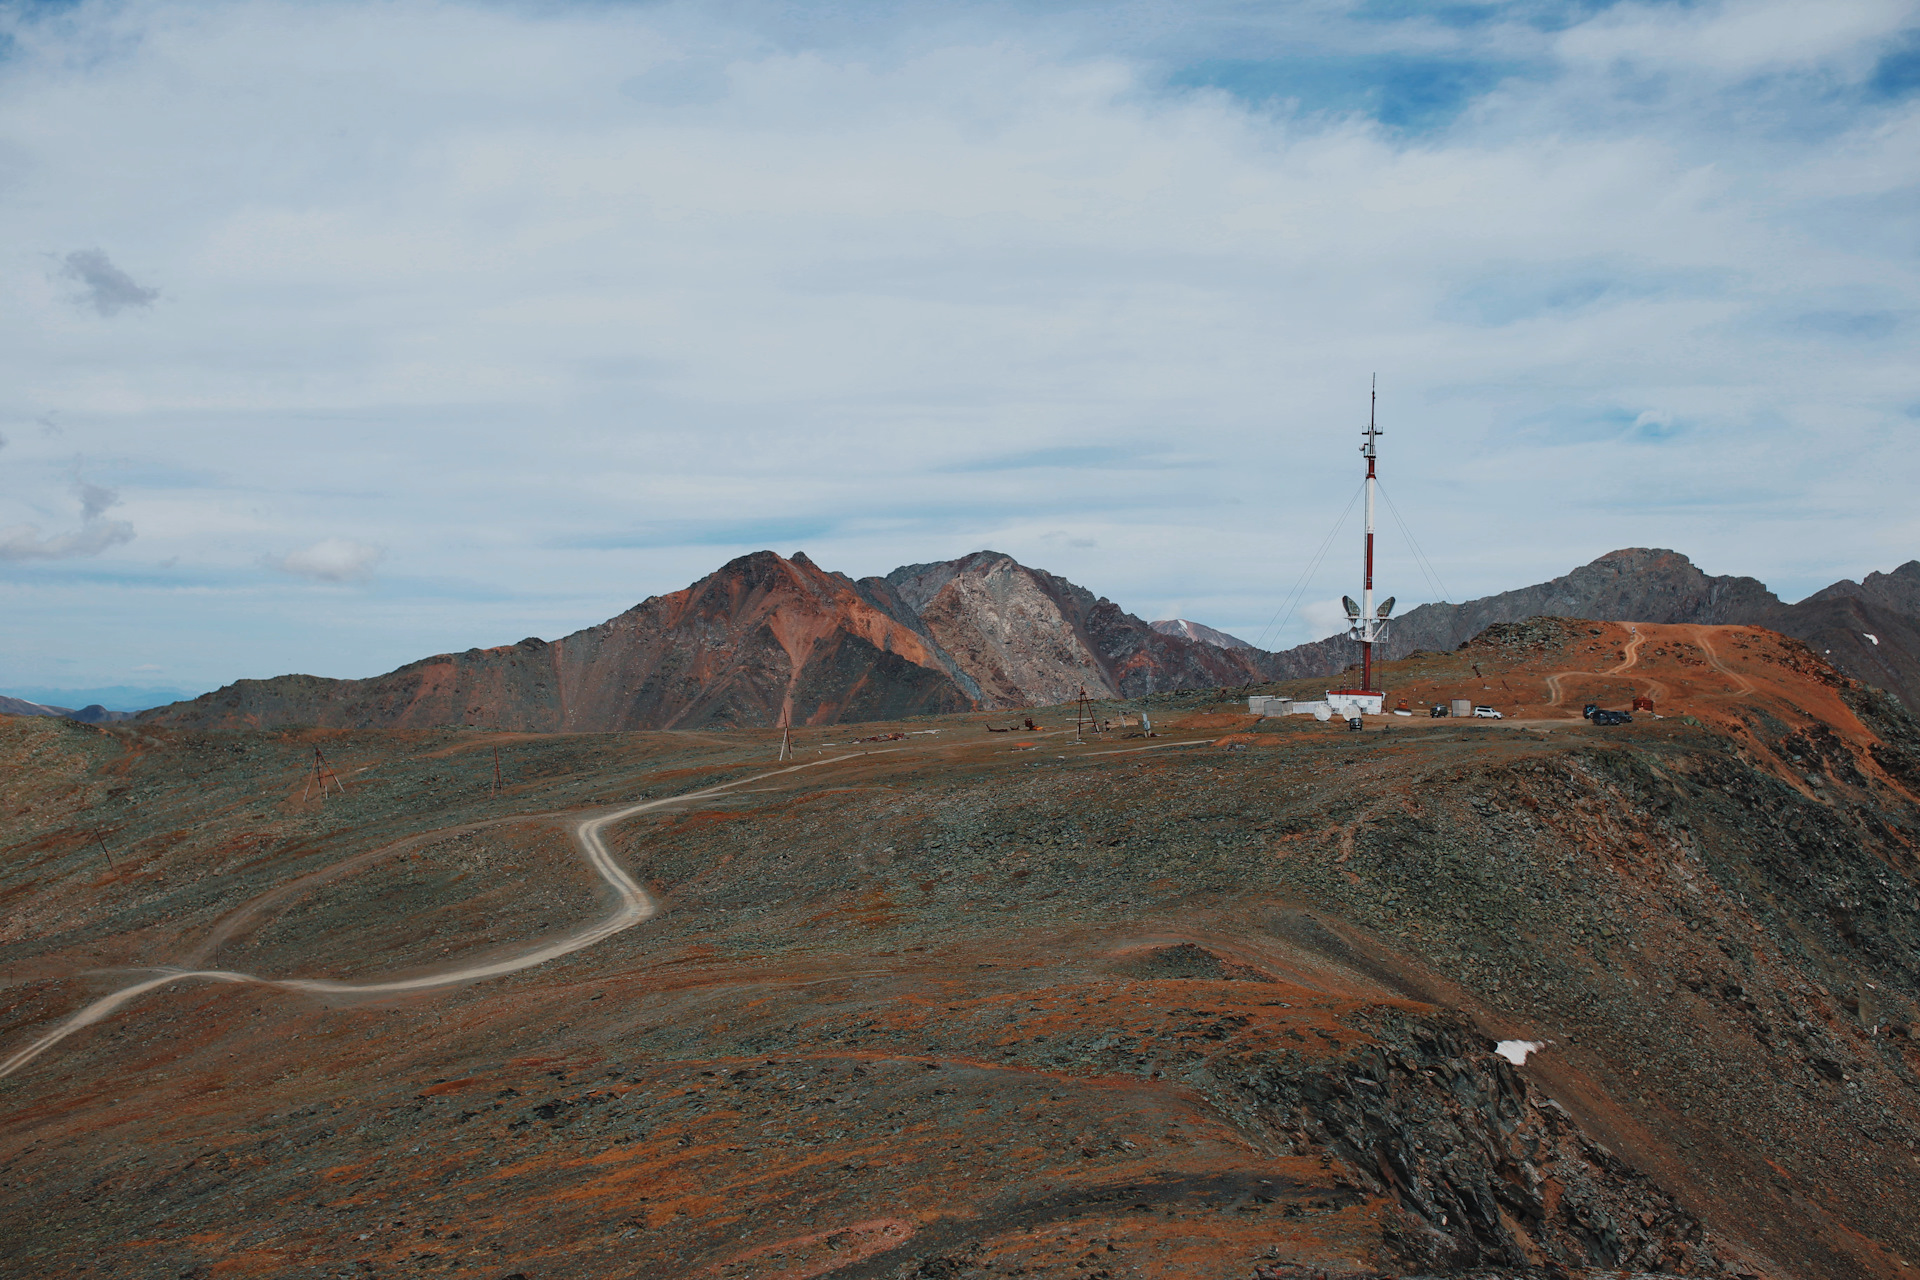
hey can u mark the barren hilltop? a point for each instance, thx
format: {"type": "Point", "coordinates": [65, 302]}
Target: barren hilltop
{"type": "Point", "coordinates": [1522, 998]}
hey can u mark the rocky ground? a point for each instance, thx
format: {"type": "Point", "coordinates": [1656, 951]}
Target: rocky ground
{"type": "Point", "coordinates": [1222, 1002]}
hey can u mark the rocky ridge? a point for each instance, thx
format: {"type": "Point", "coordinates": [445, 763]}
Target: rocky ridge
{"type": "Point", "coordinates": [767, 640]}
{"type": "Point", "coordinates": [1869, 629]}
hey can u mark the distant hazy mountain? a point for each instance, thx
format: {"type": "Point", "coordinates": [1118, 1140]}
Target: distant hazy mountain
{"type": "Point", "coordinates": [95, 714]}
{"type": "Point", "coordinates": [1198, 631]}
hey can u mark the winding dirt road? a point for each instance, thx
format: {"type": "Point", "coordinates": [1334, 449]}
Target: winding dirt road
{"type": "Point", "coordinates": [1629, 660]}
{"type": "Point", "coordinates": [633, 906]}
{"type": "Point", "coordinates": [1713, 659]}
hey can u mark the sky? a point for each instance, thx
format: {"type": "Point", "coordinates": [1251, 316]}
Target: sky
{"type": "Point", "coordinates": [336, 335]}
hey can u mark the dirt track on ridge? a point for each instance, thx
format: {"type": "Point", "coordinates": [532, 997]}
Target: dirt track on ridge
{"type": "Point", "coordinates": [635, 906]}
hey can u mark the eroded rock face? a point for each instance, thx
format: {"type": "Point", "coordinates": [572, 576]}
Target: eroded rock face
{"type": "Point", "coordinates": [1015, 630]}
{"type": "Point", "coordinates": [1486, 1171]}
{"type": "Point", "coordinates": [1031, 638]}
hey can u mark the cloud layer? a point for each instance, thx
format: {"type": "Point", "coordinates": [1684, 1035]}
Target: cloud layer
{"type": "Point", "coordinates": [564, 306]}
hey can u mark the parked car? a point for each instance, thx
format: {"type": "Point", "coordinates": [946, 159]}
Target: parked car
{"type": "Point", "coordinates": [1487, 713]}
{"type": "Point", "coordinates": [1439, 710]}
{"type": "Point", "coordinates": [1600, 715]}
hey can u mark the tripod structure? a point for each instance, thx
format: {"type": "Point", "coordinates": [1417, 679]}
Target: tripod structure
{"type": "Point", "coordinates": [321, 774]}
{"type": "Point", "coordinates": [1084, 714]}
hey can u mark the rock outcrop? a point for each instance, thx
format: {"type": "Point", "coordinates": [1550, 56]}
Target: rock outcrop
{"type": "Point", "coordinates": [1029, 637]}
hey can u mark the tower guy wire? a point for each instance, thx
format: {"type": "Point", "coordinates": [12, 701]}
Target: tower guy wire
{"type": "Point", "coordinates": [1298, 595]}
{"type": "Point", "coordinates": [1427, 568]}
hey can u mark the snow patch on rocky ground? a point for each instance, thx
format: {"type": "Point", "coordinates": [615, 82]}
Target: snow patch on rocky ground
{"type": "Point", "coordinates": [1516, 1051]}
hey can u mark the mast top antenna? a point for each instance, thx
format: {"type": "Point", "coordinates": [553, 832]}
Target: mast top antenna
{"type": "Point", "coordinates": [1373, 399]}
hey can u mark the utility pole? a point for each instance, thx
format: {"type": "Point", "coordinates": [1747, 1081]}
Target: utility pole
{"type": "Point", "coordinates": [103, 848]}
{"type": "Point", "coordinates": [499, 783]}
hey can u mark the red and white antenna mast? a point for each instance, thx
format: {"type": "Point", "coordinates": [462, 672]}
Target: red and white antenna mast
{"type": "Point", "coordinates": [1369, 625]}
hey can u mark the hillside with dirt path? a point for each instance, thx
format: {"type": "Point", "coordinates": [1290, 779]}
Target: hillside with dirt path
{"type": "Point", "coordinates": [1222, 1002]}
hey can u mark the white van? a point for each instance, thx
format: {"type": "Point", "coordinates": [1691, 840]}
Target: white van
{"type": "Point", "coordinates": [1487, 713]}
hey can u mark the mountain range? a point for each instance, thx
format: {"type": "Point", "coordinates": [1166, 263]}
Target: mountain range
{"type": "Point", "coordinates": [769, 640]}
{"type": "Point", "coordinates": [95, 714]}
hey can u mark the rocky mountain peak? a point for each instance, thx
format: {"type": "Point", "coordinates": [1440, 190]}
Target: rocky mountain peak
{"type": "Point", "coordinates": [1899, 590]}
{"type": "Point", "coordinates": [1187, 629]}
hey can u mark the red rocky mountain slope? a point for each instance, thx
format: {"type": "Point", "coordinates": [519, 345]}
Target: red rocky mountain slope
{"type": "Point", "coordinates": [762, 641]}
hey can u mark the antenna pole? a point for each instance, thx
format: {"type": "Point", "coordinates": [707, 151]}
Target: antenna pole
{"type": "Point", "coordinates": [1369, 625]}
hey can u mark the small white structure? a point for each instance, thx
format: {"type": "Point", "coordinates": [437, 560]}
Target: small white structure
{"type": "Point", "coordinates": [1261, 705]}
{"type": "Point", "coordinates": [1347, 703]}
{"type": "Point", "coordinates": [1462, 706]}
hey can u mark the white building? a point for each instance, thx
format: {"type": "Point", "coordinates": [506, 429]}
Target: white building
{"type": "Point", "coordinates": [1355, 702]}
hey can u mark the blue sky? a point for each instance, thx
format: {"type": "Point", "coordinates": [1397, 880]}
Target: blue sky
{"type": "Point", "coordinates": [334, 336]}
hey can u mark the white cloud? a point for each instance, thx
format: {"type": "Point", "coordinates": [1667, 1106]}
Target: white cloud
{"type": "Point", "coordinates": [576, 304]}
{"type": "Point", "coordinates": [332, 560]}
{"type": "Point", "coordinates": [1738, 37]}
{"type": "Point", "coordinates": [1325, 617]}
